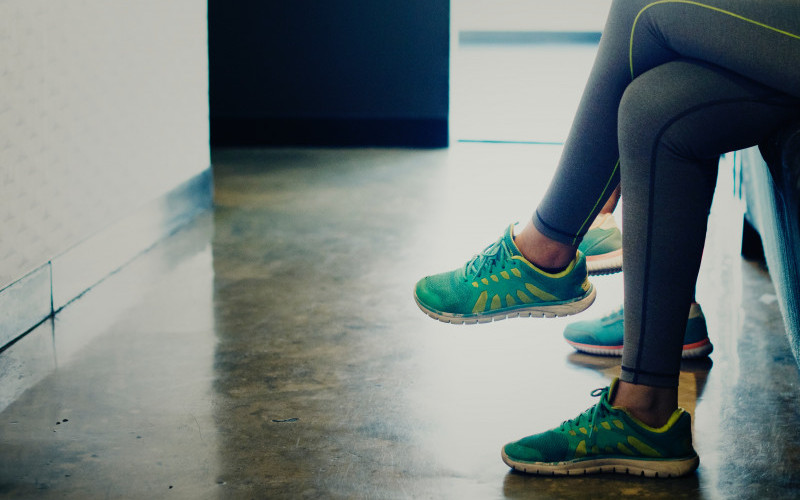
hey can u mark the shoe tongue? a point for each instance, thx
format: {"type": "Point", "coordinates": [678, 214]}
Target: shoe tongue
{"type": "Point", "coordinates": [612, 391]}
{"type": "Point", "coordinates": [508, 238]}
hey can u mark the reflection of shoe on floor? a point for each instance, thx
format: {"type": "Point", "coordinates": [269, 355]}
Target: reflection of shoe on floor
{"type": "Point", "coordinates": [602, 246]}
{"type": "Point", "coordinates": [605, 438]}
{"type": "Point", "coordinates": [603, 364]}
{"type": "Point", "coordinates": [604, 336]}
{"type": "Point", "coordinates": [500, 283]}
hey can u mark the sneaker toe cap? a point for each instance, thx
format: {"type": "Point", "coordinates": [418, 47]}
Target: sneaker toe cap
{"type": "Point", "coordinates": [519, 453]}
{"type": "Point", "coordinates": [545, 447]}
{"type": "Point", "coordinates": [437, 293]}
{"type": "Point", "coordinates": [582, 332]}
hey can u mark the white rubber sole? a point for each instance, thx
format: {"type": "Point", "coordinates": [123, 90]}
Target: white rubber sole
{"type": "Point", "coordinates": [633, 467]}
{"type": "Point", "coordinates": [698, 350]}
{"type": "Point", "coordinates": [608, 263]}
{"type": "Point", "coordinates": [541, 311]}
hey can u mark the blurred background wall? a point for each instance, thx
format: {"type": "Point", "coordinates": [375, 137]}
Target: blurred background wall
{"type": "Point", "coordinates": [103, 112]}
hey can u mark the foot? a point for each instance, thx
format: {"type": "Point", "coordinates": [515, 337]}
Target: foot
{"type": "Point", "coordinates": [500, 283]}
{"type": "Point", "coordinates": [602, 246]}
{"type": "Point", "coordinates": [606, 438]}
{"type": "Point", "coordinates": [604, 336]}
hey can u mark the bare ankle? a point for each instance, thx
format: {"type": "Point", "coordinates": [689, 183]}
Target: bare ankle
{"type": "Point", "coordinates": [652, 405]}
{"type": "Point", "coordinates": [541, 250]}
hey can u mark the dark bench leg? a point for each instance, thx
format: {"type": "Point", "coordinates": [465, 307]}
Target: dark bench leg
{"type": "Point", "coordinates": [752, 248]}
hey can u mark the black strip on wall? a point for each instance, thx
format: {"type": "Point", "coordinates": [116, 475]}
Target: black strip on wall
{"type": "Point", "coordinates": [243, 132]}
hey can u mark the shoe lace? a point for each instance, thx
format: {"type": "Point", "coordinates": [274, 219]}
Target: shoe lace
{"type": "Point", "coordinates": [590, 416]}
{"type": "Point", "coordinates": [488, 259]}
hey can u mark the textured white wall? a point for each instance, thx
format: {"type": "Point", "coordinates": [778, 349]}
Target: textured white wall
{"type": "Point", "coordinates": [528, 15]}
{"type": "Point", "coordinates": [103, 107]}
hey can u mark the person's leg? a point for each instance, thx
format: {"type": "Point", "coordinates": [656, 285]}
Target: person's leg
{"type": "Point", "coordinates": [711, 31]}
{"type": "Point", "coordinates": [588, 171]}
{"type": "Point", "coordinates": [639, 35]}
{"type": "Point", "coordinates": [674, 124]}
{"type": "Point", "coordinates": [675, 121]}
{"type": "Point", "coordinates": [754, 38]}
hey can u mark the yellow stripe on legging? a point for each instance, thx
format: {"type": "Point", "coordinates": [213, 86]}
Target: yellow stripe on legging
{"type": "Point", "coordinates": [605, 188]}
{"type": "Point", "coordinates": [698, 4]}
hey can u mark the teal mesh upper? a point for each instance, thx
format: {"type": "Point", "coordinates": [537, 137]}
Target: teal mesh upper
{"type": "Point", "coordinates": [604, 431]}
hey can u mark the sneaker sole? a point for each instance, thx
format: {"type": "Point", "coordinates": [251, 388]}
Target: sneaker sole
{"type": "Point", "coordinates": [541, 311]}
{"type": "Point", "coordinates": [607, 263]}
{"type": "Point", "coordinates": [690, 351]}
{"type": "Point", "coordinates": [697, 350]}
{"type": "Point", "coordinates": [630, 466]}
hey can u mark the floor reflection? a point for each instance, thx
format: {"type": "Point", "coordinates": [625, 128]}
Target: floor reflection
{"type": "Point", "coordinates": [311, 368]}
{"type": "Point", "coordinates": [121, 408]}
{"type": "Point", "coordinates": [329, 382]}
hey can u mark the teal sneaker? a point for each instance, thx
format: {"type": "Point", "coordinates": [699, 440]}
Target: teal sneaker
{"type": "Point", "coordinates": [500, 283]}
{"type": "Point", "coordinates": [604, 336]}
{"type": "Point", "coordinates": [606, 438]}
{"type": "Point", "coordinates": [602, 246]}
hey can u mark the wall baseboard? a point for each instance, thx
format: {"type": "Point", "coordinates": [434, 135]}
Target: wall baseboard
{"type": "Point", "coordinates": [345, 132]}
{"type": "Point", "coordinates": [40, 294]}
{"type": "Point", "coordinates": [24, 304]}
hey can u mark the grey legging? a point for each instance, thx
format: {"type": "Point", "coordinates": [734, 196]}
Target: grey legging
{"type": "Point", "coordinates": [675, 84]}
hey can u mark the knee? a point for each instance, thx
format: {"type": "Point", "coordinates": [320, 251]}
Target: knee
{"type": "Point", "coordinates": [675, 108]}
{"type": "Point", "coordinates": [644, 113]}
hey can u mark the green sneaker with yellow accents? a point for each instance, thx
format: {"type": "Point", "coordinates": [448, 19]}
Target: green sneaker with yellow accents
{"type": "Point", "coordinates": [500, 283]}
{"type": "Point", "coordinates": [606, 438]}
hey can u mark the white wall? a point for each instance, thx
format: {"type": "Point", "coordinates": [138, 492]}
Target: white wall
{"type": "Point", "coordinates": [529, 15]}
{"type": "Point", "coordinates": [103, 107]}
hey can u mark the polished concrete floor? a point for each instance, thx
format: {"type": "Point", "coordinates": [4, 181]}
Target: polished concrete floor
{"type": "Point", "coordinates": [272, 349]}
